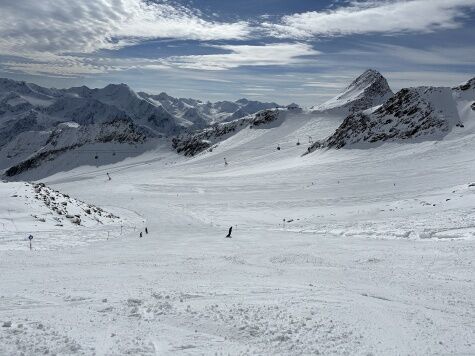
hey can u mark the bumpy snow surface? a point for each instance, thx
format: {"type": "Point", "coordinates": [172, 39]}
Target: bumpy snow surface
{"type": "Point", "coordinates": [356, 252]}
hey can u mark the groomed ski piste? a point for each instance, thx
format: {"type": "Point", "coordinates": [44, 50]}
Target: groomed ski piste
{"type": "Point", "coordinates": [358, 251]}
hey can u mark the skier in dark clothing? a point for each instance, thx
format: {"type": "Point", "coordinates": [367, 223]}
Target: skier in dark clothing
{"type": "Point", "coordinates": [229, 233]}
{"type": "Point", "coordinates": [140, 234]}
{"type": "Point", "coordinates": [146, 230]}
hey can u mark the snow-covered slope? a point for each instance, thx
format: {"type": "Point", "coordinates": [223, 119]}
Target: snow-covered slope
{"type": "Point", "coordinates": [366, 91]}
{"type": "Point", "coordinates": [422, 113]}
{"type": "Point", "coordinates": [67, 137]}
{"type": "Point", "coordinates": [341, 252]}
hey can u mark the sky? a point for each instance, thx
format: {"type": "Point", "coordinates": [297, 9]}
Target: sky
{"type": "Point", "coordinates": [303, 51]}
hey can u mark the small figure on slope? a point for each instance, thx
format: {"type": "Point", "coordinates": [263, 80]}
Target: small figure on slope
{"type": "Point", "coordinates": [108, 176]}
{"type": "Point", "coordinates": [229, 233]}
{"type": "Point", "coordinates": [146, 230]}
{"type": "Point", "coordinates": [225, 162]}
{"type": "Point", "coordinates": [30, 238]}
{"type": "Point", "coordinates": [140, 234]}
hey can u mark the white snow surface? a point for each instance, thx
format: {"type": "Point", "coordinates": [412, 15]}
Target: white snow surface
{"type": "Point", "coordinates": [375, 255]}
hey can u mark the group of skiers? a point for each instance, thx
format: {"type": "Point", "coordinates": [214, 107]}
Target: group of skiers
{"type": "Point", "coordinates": [30, 238]}
{"type": "Point", "coordinates": [146, 231]}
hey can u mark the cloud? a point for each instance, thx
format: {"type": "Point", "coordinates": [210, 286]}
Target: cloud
{"type": "Point", "coordinates": [62, 37]}
{"type": "Point", "coordinates": [65, 38]}
{"type": "Point", "coordinates": [276, 54]}
{"type": "Point", "coordinates": [446, 56]}
{"type": "Point", "coordinates": [372, 16]}
{"type": "Point", "coordinates": [404, 79]}
{"type": "Point", "coordinates": [32, 28]}
{"type": "Point", "coordinates": [331, 85]}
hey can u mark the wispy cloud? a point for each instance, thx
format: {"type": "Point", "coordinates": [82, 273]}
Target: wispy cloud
{"type": "Point", "coordinates": [246, 55]}
{"type": "Point", "coordinates": [31, 28]}
{"type": "Point", "coordinates": [446, 56]}
{"type": "Point", "coordinates": [373, 16]}
{"type": "Point", "coordinates": [63, 37]}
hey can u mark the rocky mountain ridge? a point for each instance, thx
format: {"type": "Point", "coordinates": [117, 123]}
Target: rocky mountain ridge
{"type": "Point", "coordinates": [416, 114]}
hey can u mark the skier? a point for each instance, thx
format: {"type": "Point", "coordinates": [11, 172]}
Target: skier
{"type": "Point", "coordinates": [140, 234]}
{"type": "Point", "coordinates": [108, 176]}
{"type": "Point", "coordinates": [146, 230]}
{"type": "Point", "coordinates": [30, 238]}
{"type": "Point", "coordinates": [225, 162]}
{"type": "Point", "coordinates": [229, 233]}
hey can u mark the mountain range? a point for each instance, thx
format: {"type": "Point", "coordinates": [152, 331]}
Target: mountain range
{"type": "Point", "coordinates": [38, 125]}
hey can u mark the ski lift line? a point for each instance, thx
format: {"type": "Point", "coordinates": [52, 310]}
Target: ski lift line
{"type": "Point", "coordinates": [79, 150]}
{"type": "Point", "coordinates": [258, 148]}
{"type": "Point", "coordinates": [114, 170]}
{"type": "Point", "coordinates": [104, 151]}
{"type": "Point", "coordinates": [125, 151]}
{"type": "Point", "coordinates": [284, 147]}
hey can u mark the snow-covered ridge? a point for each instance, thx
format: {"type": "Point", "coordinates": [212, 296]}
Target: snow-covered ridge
{"type": "Point", "coordinates": [69, 136]}
{"type": "Point", "coordinates": [421, 113]}
{"type": "Point", "coordinates": [199, 141]}
{"type": "Point", "coordinates": [368, 90]}
{"type": "Point", "coordinates": [162, 114]}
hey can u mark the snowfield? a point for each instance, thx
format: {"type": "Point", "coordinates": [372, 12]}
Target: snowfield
{"type": "Point", "coordinates": [352, 234]}
{"type": "Point", "coordinates": [347, 252]}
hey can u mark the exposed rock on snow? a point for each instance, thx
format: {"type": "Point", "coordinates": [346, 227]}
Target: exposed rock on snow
{"type": "Point", "coordinates": [470, 85]}
{"type": "Point", "coordinates": [199, 141]}
{"type": "Point", "coordinates": [368, 90]}
{"type": "Point", "coordinates": [55, 220]}
{"type": "Point", "coordinates": [69, 209]}
{"type": "Point", "coordinates": [423, 113]}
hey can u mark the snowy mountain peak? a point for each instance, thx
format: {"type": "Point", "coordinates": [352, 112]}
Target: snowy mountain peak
{"type": "Point", "coordinates": [368, 90]}
{"type": "Point", "coordinates": [369, 77]}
